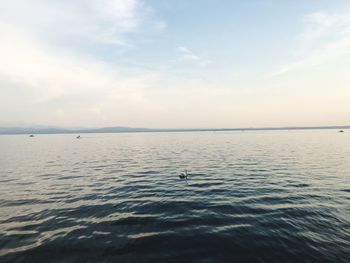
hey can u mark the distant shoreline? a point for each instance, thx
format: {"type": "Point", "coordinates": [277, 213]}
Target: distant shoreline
{"type": "Point", "coordinates": [24, 131]}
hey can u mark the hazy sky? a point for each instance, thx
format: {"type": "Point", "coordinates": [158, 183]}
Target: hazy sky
{"type": "Point", "coordinates": [175, 63]}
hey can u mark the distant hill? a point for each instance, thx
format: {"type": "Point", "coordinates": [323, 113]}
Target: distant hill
{"type": "Point", "coordinates": [22, 130]}
{"type": "Point", "coordinates": [48, 130]}
{"type": "Point", "coordinates": [35, 130]}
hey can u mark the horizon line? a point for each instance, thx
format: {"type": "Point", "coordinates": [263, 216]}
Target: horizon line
{"type": "Point", "coordinates": [122, 129]}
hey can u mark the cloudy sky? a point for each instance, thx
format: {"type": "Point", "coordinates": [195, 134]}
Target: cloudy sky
{"type": "Point", "coordinates": [175, 63]}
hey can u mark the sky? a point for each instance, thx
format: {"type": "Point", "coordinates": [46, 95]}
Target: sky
{"type": "Point", "coordinates": [175, 63]}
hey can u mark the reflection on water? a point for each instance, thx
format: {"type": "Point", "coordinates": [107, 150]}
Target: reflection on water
{"type": "Point", "coordinates": [268, 196]}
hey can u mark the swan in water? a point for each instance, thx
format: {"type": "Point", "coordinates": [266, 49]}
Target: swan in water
{"type": "Point", "coordinates": [183, 175]}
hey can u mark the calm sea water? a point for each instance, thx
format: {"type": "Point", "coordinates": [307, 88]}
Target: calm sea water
{"type": "Point", "coordinates": [266, 196]}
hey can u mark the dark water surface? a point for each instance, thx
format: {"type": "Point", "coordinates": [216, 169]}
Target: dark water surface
{"type": "Point", "coordinates": [267, 196]}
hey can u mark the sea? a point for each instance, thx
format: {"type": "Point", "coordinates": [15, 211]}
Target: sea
{"type": "Point", "coordinates": [250, 196]}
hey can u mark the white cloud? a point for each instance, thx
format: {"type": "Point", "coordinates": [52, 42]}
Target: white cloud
{"type": "Point", "coordinates": [160, 25]}
{"type": "Point", "coordinates": [325, 25]}
{"type": "Point", "coordinates": [43, 81]}
{"type": "Point", "coordinates": [103, 21]}
{"type": "Point", "coordinates": [49, 74]}
{"type": "Point", "coordinates": [188, 55]}
{"type": "Point", "coordinates": [45, 75]}
{"type": "Point", "coordinates": [325, 40]}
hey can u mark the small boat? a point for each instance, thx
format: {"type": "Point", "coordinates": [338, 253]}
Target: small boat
{"type": "Point", "coordinates": [78, 137]}
{"type": "Point", "coordinates": [183, 175]}
{"type": "Point", "coordinates": [32, 135]}
{"type": "Point", "coordinates": [341, 131]}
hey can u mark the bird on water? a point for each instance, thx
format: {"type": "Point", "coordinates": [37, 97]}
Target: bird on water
{"type": "Point", "coordinates": [183, 175]}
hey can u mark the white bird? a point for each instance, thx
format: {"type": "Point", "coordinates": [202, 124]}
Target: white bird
{"type": "Point", "coordinates": [183, 175]}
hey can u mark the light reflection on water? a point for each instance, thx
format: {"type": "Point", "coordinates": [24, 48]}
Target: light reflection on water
{"type": "Point", "coordinates": [266, 196]}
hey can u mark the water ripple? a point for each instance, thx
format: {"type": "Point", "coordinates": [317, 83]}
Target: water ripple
{"type": "Point", "coordinates": [250, 197]}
